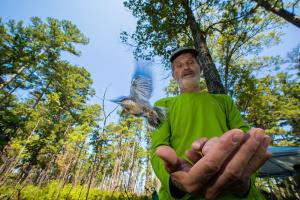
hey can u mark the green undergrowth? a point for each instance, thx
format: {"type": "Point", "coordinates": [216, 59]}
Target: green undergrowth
{"type": "Point", "coordinates": [54, 190]}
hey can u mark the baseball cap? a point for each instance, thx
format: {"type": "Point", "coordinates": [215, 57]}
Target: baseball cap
{"type": "Point", "coordinates": [182, 50]}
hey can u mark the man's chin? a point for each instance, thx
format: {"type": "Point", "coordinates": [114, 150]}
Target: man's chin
{"type": "Point", "coordinates": [188, 82]}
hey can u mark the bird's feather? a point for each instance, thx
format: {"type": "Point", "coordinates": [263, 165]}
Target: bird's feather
{"type": "Point", "coordinates": [141, 82]}
{"type": "Point", "coordinates": [119, 99]}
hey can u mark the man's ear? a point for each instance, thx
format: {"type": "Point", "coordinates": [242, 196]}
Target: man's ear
{"type": "Point", "coordinates": [172, 71]}
{"type": "Point", "coordinates": [173, 75]}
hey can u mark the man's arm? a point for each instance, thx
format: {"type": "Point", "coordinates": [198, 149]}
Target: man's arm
{"type": "Point", "coordinates": [172, 163]}
{"type": "Point", "coordinates": [233, 116]}
{"type": "Point", "coordinates": [233, 159]}
{"type": "Point", "coordinates": [158, 138]}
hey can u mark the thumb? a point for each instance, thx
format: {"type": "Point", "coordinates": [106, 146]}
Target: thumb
{"type": "Point", "coordinates": [168, 155]}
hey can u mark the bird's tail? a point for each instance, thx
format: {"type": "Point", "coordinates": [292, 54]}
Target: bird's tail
{"type": "Point", "coordinates": [161, 114]}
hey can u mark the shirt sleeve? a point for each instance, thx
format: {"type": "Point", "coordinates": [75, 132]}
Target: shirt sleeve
{"type": "Point", "coordinates": [160, 137]}
{"type": "Point", "coordinates": [233, 115]}
{"type": "Point", "coordinates": [254, 193]}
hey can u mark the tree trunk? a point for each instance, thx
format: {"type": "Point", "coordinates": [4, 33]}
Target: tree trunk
{"type": "Point", "coordinates": [14, 89]}
{"type": "Point", "coordinates": [76, 161]}
{"type": "Point", "coordinates": [77, 175]}
{"type": "Point", "coordinates": [103, 178]}
{"type": "Point", "coordinates": [41, 95]}
{"type": "Point", "coordinates": [212, 77]}
{"type": "Point", "coordinates": [74, 169]}
{"type": "Point", "coordinates": [64, 178]}
{"type": "Point", "coordinates": [114, 182]}
{"type": "Point", "coordinates": [94, 168]}
{"type": "Point", "coordinates": [25, 173]}
{"type": "Point", "coordinates": [45, 176]}
{"type": "Point", "coordinates": [17, 159]}
{"type": "Point", "coordinates": [10, 79]}
{"type": "Point", "coordinates": [131, 169]}
{"type": "Point", "coordinates": [148, 183]}
{"type": "Point", "coordinates": [137, 182]}
{"type": "Point", "coordinates": [91, 177]}
{"type": "Point", "coordinates": [226, 74]}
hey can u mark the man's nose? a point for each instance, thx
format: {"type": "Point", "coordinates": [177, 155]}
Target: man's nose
{"type": "Point", "coordinates": [186, 66]}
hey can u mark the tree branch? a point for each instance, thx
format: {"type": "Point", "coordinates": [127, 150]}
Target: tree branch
{"type": "Point", "coordinates": [283, 13]}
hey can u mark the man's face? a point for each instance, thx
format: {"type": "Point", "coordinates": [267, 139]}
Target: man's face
{"type": "Point", "coordinates": [186, 70]}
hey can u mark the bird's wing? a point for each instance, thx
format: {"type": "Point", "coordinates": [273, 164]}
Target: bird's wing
{"type": "Point", "coordinates": [118, 99]}
{"type": "Point", "coordinates": [141, 82]}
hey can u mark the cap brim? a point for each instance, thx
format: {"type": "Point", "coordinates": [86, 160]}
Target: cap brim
{"type": "Point", "coordinates": [181, 51]}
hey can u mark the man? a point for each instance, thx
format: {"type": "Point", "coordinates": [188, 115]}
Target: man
{"type": "Point", "coordinates": [225, 169]}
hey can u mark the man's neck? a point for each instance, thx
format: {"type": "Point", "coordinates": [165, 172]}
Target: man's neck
{"type": "Point", "coordinates": [190, 89]}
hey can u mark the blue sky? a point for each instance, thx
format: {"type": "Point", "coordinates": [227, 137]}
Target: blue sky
{"type": "Point", "coordinates": [109, 61]}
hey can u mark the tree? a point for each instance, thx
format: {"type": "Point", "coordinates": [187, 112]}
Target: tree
{"type": "Point", "coordinates": [24, 47]}
{"type": "Point", "coordinates": [277, 7]}
{"type": "Point", "coordinates": [165, 25]}
{"type": "Point", "coordinates": [37, 128]}
{"type": "Point", "coordinates": [270, 101]}
{"type": "Point", "coordinates": [30, 62]}
{"type": "Point", "coordinates": [52, 136]}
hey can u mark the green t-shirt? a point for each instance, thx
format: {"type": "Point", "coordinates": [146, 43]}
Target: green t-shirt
{"type": "Point", "coordinates": [191, 116]}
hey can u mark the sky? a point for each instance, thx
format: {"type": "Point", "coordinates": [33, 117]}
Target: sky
{"type": "Point", "coordinates": [109, 61]}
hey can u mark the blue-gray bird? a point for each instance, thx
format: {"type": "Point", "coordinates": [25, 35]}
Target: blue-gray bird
{"type": "Point", "coordinates": [137, 103]}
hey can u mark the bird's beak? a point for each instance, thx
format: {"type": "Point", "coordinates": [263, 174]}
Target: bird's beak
{"type": "Point", "coordinates": [115, 101]}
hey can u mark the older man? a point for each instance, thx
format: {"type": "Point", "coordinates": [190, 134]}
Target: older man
{"type": "Point", "coordinates": [224, 171]}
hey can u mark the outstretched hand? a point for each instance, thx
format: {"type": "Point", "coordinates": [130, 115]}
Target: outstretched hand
{"type": "Point", "coordinates": [235, 176]}
{"type": "Point", "coordinates": [175, 164]}
{"type": "Point", "coordinates": [195, 178]}
{"type": "Point", "coordinates": [227, 164]}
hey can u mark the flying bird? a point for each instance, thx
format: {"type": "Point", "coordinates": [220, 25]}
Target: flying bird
{"type": "Point", "coordinates": [137, 103]}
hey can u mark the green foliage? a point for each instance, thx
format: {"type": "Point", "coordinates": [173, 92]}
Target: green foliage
{"type": "Point", "coordinates": [45, 131]}
{"type": "Point", "coordinates": [279, 188]}
{"type": "Point", "coordinates": [57, 146]}
{"type": "Point", "coordinates": [230, 28]}
{"type": "Point", "coordinates": [31, 64]}
{"type": "Point", "coordinates": [271, 101]}
{"type": "Point", "coordinates": [49, 192]}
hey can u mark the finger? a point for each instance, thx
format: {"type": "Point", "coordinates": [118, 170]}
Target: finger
{"type": "Point", "coordinates": [193, 156]}
{"type": "Point", "coordinates": [210, 164]}
{"type": "Point", "coordinates": [257, 160]}
{"type": "Point", "coordinates": [198, 144]}
{"type": "Point", "coordinates": [182, 181]}
{"type": "Point", "coordinates": [196, 153]}
{"type": "Point", "coordinates": [195, 181]}
{"type": "Point", "coordinates": [235, 167]}
{"type": "Point", "coordinates": [260, 157]}
{"type": "Point", "coordinates": [209, 145]}
{"type": "Point", "coordinates": [168, 155]}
